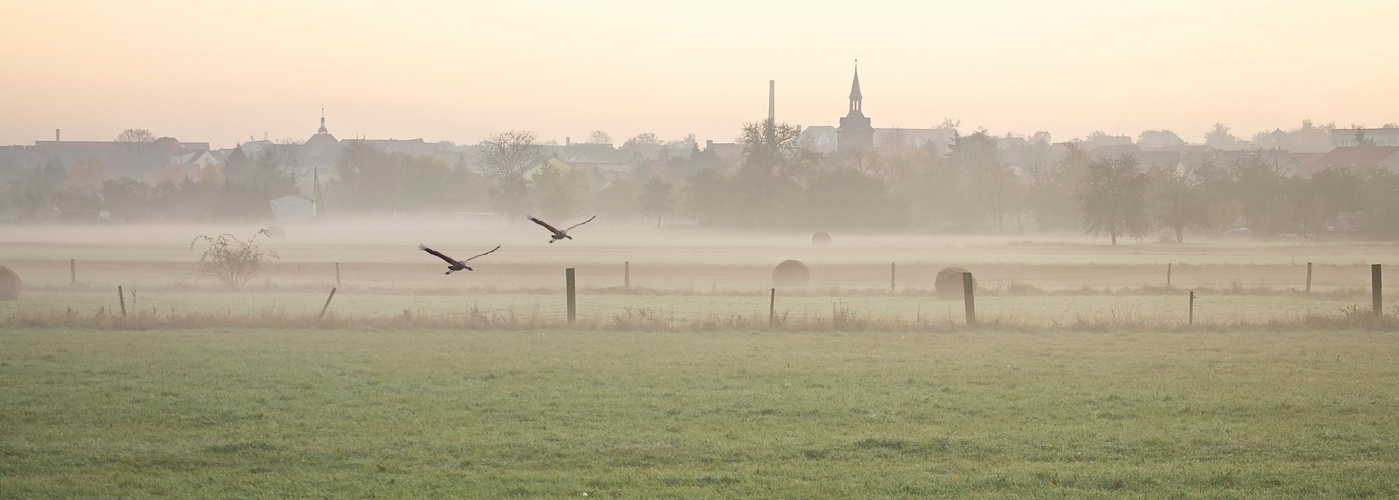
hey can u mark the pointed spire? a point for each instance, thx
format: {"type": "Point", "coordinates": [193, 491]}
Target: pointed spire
{"type": "Point", "coordinates": [855, 87]}
{"type": "Point", "coordinates": [322, 130]}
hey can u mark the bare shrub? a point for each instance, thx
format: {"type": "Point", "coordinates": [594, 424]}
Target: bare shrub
{"type": "Point", "coordinates": [231, 260]}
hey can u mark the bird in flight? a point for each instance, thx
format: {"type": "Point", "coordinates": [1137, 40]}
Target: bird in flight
{"type": "Point", "coordinates": [453, 264]}
{"type": "Point", "coordinates": [558, 235]}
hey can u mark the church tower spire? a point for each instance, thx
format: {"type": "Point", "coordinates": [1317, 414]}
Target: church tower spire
{"type": "Point", "coordinates": [322, 130]}
{"type": "Point", "coordinates": [855, 97]}
{"type": "Point", "coordinates": [855, 131]}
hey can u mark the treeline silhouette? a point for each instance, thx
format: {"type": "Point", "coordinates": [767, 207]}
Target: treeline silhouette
{"type": "Point", "coordinates": [778, 183]}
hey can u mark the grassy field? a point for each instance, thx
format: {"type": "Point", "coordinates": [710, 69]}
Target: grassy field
{"type": "Point", "coordinates": [355, 413]}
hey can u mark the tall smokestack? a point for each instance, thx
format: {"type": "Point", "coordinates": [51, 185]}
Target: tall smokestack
{"type": "Point", "coordinates": [772, 100]}
{"type": "Point", "coordinates": [56, 135]}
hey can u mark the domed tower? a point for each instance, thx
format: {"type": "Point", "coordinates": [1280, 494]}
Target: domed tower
{"type": "Point", "coordinates": [855, 131]}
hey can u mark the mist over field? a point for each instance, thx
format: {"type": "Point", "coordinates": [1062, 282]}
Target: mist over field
{"type": "Point", "coordinates": [542, 250]}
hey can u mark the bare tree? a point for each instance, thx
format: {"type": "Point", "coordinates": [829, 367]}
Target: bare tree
{"type": "Point", "coordinates": [231, 260]}
{"type": "Point", "coordinates": [600, 137]}
{"type": "Point", "coordinates": [135, 135]}
{"type": "Point", "coordinates": [506, 154]}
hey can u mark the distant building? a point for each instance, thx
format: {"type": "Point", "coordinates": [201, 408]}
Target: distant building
{"type": "Point", "coordinates": [293, 208]}
{"type": "Point", "coordinates": [855, 131]}
{"type": "Point", "coordinates": [1350, 137]}
{"type": "Point", "coordinates": [1386, 157]}
{"type": "Point", "coordinates": [821, 138]}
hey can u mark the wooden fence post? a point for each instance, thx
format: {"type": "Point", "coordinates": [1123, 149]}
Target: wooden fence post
{"type": "Point", "coordinates": [337, 275]}
{"type": "Point", "coordinates": [1376, 287]}
{"type": "Point", "coordinates": [969, 297]}
{"type": "Point", "coordinates": [626, 275]}
{"type": "Point", "coordinates": [122, 297]}
{"type": "Point", "coordinates": [572, 305]}
{"type": "Point", "coordinates": [1168, 275]}
{"type": "Point", "coordinates": [1309, 276]}
{"type": "Point", "coordinates": [72, 272]}
{"type": "Point", "coordinates": [1192, 308]}
{"type": "Point", "coordinates": [891, 276]}
{"type": "Point", "coordinates": [327, 303]}
{"type": "Point", "coordinates": [772, 308]}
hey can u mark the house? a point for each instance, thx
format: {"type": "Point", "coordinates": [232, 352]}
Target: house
{"type": "Point", "coordinates": [1159, 140]}
{"type": "Point", "coordinates": [1386, 157]}
{"type": "Point", "coordinates": [293, 208]}
{"type": "Point", "coordinates": [1350, 137]}
{"type": "Point", "coordinates": [534, 168]}
{"type": "Point", "coordinates": [1284, 162]}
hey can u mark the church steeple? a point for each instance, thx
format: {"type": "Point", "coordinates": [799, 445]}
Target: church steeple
{"type": "Point", "coordinates": [855, 131]}
{"type": "Point", "coordinates": [322, 130]}
{"type": "Point", "coordinates": [855, 97]}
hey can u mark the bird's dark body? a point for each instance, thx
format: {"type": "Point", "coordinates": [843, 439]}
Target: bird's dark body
{"type": "Point", "coordinates": [557, 234]}
{"type": "Point", "coordinates": [453, 265]}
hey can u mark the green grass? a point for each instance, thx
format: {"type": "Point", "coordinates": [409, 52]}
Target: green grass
{"type": "Point", "coordinates": [348, 413]}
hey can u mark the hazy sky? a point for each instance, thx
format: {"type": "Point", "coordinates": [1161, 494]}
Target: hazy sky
{"type": "Point", "coordinates": [223, 71]}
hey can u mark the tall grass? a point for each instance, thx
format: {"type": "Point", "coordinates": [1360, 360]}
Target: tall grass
{"type": "Point", "coordinates": [843, 317]}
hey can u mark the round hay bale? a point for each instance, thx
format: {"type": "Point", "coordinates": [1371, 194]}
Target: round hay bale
{"type": "Point", "coordinates": [820, 238]}
{"type": "Point", "coordinates": [9, 284]}
{"type": "Point", "coordinates": [791, 273]}
{"type": "Point", "coordinates": [949, 282]}
{"type": "Point", "coordinates": [276, 232]}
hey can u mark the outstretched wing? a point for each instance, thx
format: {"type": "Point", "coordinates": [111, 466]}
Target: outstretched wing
{"type": "Point", "coordinates": [439, 255]}
{"type": "Point", "coordinates": [542, 223]}
{"type": "Point", "coordinates": [590, 219]}
{"type": "Point", "coordinates": [497, 247]}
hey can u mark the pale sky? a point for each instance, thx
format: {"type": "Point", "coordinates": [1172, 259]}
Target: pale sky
{"type": "Point", "coordinates": [221, 72]}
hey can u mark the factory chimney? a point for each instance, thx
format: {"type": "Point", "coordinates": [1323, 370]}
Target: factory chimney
{"type": "Point", "coordinates": [772, 101]}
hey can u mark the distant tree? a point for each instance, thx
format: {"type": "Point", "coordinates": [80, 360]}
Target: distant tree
{"type": "Point", "coordinates": [135, 135]}
{"type": "Point", "coordinates": [1220, 138]}
{"type": "Point", "coordinates": [1053, 190]}
{"type": "Point", "coordinates": [1113, 198]}
{"type": "Point", "coordinates": [128, 198]}
{"type": "Point", "coordinates": [658, 199]}
{"type": "Point", "coordinates": [642, 139]}
{"type": "Point", "coordinates": [764, 190]}
{"type": "Point", "coordinates": [88, 172]}
{"type": "Point", "coordinates": [619, 200]}
{"type": "Point", "coordinates": [1361, 140]}
{"type": "Point", "coordinates": [990, 188]}
{"type": "Point", "coordinates": [556, 193]}
{"type": "Point", "coordinates": [1175, 203]}
{"type": "Point", "coordinates": [847, 199]}
{"type": "Point", "coordinates": [599, 137]}
{"type": "Point", "coordinates": [506, 154]}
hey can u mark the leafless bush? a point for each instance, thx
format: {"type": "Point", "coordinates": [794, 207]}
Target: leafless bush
{"type": "Point", "coordinates": [231, 260]}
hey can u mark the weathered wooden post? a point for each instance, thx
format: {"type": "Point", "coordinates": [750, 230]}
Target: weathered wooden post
{"type": "Point", "coordinates": [121, 296]}
{"type": "Point", "coordinates": [969, 297]}
{"type": "Point", "coordinates": [772, 308]}
{"type": "Point", "coordinates": [337, 275]}
{"type": "Point", "coordinates": [72, 272]}
{"type": "Point", "coordinates": [626, 275]}
{"type": "Point", "coordinates": [1376, 287]}
{"type": "Point", "coordinates": [1192, 308]}
{"type": "Point", "coordinates": [1309, 276]}
{"type": "Point", "coordinates": [1168, 275]}
{"type": "Point", "coordinates": [891, 276]}
{"type": "Point", "coordinates": [572, 305]}
{"type": "Point", "coordinates": [327, 303]}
